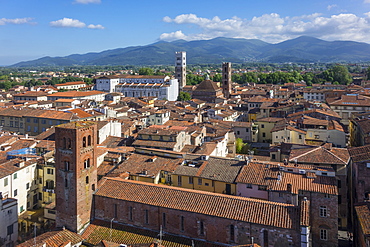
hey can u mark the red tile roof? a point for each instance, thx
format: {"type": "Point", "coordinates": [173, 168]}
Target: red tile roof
{"type": "Point", "coordinates": [53, 239]}
{"type": "Point", "coordinates": [231, 207]}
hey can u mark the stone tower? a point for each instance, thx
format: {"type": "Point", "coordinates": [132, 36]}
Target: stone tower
{"type": "Point", "coordinates": [180, 68]}
{"type": "Point", "coordinates": [226, 79]}
{"type": "Point", "coordinates": [76, 173]}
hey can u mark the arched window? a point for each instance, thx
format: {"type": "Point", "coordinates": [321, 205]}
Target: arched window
{"type": "Point", "coordinates": [64, 143]}
{"type": "Point", "coordinates": [84, 142]}
{"type": "Point", "coordinates": [66, 165]}
{"type": "Point", "coordinates": [89, 140]}
{"type": "Point", "coordinates": [69, 144]}
{"type": "Point", "coordinates": [87, 179]}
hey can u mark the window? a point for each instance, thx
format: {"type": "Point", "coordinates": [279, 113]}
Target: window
{"type": "Point", "coordinates": [273, 156]}
{"type": "Point", "coordinates": [263, 134]}
{"type": "Point", "coordinates": [84, 142]}
{"type": "Point", "coordinates": [88, 162]}
{"type": "Point", "coordinates": [262, 187]}
{"type": "Point", "coordinates": [65, 183]}
{"type": "Point", "coordinates": [339, 184]}
{"type": "Point", "coordinates": [28, 120]}
{"type": "Point", "coordinates": [262, 126]}
{"type": "Point", "coordinates": [10, 230]}
{"type": "Point", "coordinates": [43, 121]}
{"type": "Point", "coordinates": [190, 180]}
{"type": "Point", "coordinates": [115, 211]}
{"type": "Point", "coordinates": [248, 186]}
{"type": "Point", "coordinates": [164, 220]}
{"type": "Point", "coordinates": [300, 136]}
{"type": "Point", "coordinates": [201, 228]}
{"type": "Point", "coordinates": [182, 225]}
{"type": "Point", "coordinates": [199, 181]}
{"type": "Point", "coordinates": [232, 233]}
{"type": "Point", "coordinates": [93, 187]}
{"type": "Point", "coordinates": [27, 186]}
{"type": "Point", "coordinates": [206, 184]}
{"type": "Point", "coordinates": [130, 213]}
{"type": "Point", "coordinates": [35, 120]}
{"type": "Point", "coordinates": [323, 234]}
{"type": "Point", "coordinates": [323, 211]}
{"type": "Point", "coordinates": [179, 180]}
{"type": "Point", "coordinates": [11, 123]}
{"type": "Point", "coordinates": [5, 182]}
{"type": "Point", "coordinates": [35, 129]}
{"type": "Point", "coordinates": [15, 192]}
{"type": "Point", "coordinates": [15, 176]}
{"type": "Point", "coordinates": [89, 140]}
{"type": "Point", "coordinates": [50, 171]}
{"type": "Point", "coordinates": [66, 165]}
{"type": "Point", "coordinates": [87, 179]}
{"type": "Point", "coordinates": [146, 216]}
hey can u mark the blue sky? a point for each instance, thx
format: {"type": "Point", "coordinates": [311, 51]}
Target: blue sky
{"type": "Point", "coordinates": [31, 29]}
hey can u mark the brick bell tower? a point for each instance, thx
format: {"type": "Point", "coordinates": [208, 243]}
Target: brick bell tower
{"type": "Point", "coordinates": [226, 79]}
{"type": "Point", "coordinates": [76, 173]}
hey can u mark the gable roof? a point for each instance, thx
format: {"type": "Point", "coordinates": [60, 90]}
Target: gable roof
{"type": "Point", "coordinates": [320, 155]}
{"type": "Point", "coordinates": [218, 205]}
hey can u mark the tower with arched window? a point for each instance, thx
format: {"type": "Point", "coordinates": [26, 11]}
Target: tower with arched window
{"type": "Point", "coordinates": [76, 173]}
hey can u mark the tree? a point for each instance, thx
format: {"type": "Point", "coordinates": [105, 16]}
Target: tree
{"type": "Point", "coordinates": [183, 96]}
{"type": "Point", "coordinates": [239, 144]}
{"type": "Point", "coordinates": [146, 71]}
{"type": "Point", "coordinates": [338, 73]}
{"type": "Point", "coordinates": [368, 73]}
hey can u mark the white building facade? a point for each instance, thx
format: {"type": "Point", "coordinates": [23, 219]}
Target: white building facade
{"type": "Point", "coordinates": [8, 221]}
{"type": "Point", "coordinates": [20, 183]}
{"type": "Point", "coordinates": [161, 87]}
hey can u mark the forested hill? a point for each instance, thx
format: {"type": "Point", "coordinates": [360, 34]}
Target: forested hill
{"type": "Point", "coordinates": [302, 49]}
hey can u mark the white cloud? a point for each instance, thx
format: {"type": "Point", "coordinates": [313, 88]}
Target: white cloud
{"type": "Point", "coordinates": [87, 1]}
{"type": "Point", "coordinates": [331, 6]}
{"type": "Point", "coordinates": [91, 26]}
{"type": "Point", "coordinates": [4, 21]}
{"type": "Point", "coordinates": [173, 36]}
{"type": "Point", "coordinates": [274, 28]}
{"type": "Point", "coordinates": [68, 22]}
{"type": "Point", "coordinates": [366, 1]}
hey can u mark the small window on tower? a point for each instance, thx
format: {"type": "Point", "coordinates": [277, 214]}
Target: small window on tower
{"type": "Point", "coordinates": [87, 179]}
{"type": "Point", "coordinates": [89, 140]}
{"type": "Point", "coordinates": [84, 142]}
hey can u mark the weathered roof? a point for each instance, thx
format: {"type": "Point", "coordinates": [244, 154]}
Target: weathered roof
{"type": "Point", "coordinates": [267, 174]}
{"type": "Point", "coordinates": [215, 168]}
{"type": "Point", "coordinates": [359, 154]}
{"type": "Point", "coordinates": [100, 230]}
{"type": "Point", "coordinates": [320, 155]}
{"type": "Point", "coordinates": [218, 205]}
{"type": "Point", "coordinates": [363, 216]}
{"type": "Point", "coordinates": [54, 239]}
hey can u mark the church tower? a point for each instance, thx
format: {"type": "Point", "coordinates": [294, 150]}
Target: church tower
{"type": "Point", "coordinates": [226, 79]}
{"type": "Point", "coordinates": [76, 173]}
{"type": "Point", "coordinates": [180, 68]}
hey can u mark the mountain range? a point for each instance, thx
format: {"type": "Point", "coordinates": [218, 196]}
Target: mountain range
{"type": "Point", "coordinates": [299, 50]}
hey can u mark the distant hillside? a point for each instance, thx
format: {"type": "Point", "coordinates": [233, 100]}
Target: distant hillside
{"type": "Point", "coordinates": [302, 49]}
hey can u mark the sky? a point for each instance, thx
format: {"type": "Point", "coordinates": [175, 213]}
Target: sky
{"type": "Point", "coordinates": [31, 29]}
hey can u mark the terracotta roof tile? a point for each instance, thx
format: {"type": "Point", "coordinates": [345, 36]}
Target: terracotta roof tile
{"type": "Point", "coordinates": [54, 239]}
{"type": "Point", "coordinates": [363, 215]}
{"type": "Point", "coordinates": [218, 205]}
